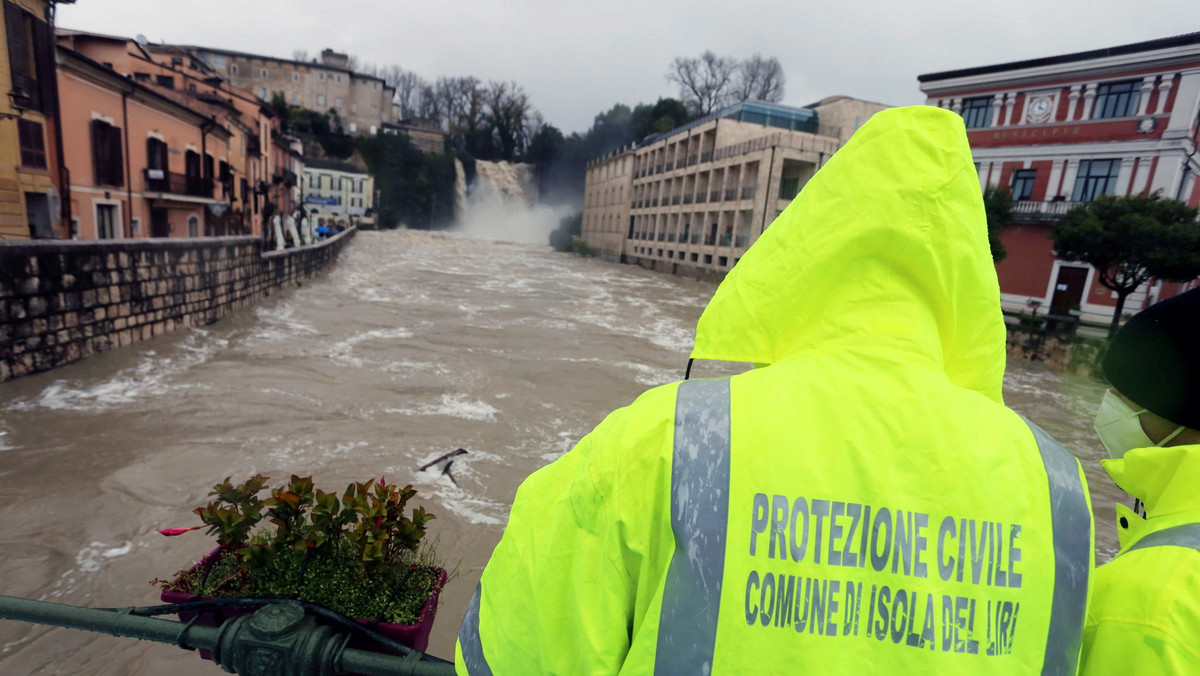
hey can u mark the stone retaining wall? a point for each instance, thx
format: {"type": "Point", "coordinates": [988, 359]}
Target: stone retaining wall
{"type": "Point", "coordinates": [61, 301]}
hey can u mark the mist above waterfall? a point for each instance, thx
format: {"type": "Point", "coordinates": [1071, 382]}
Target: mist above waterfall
{"type": "Point", "coordinates": [502, 204]}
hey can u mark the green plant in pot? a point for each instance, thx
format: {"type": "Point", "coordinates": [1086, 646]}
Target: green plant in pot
{"type": "Point", "coordinates": [359, 554]}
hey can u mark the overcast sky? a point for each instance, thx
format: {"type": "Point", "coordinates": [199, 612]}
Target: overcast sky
{"type": "Point", "coordinates": [576, 59]}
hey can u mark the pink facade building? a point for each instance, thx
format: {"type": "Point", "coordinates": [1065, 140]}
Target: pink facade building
{"type": "Point", "coordinates": [1064, 129]}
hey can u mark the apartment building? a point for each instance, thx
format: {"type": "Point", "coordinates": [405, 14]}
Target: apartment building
{"type": "Point", "coordinates": [263, 166]}
{"type": "Point", "coordinates": [1062, 130]}
{"type": "Point", "coordinates": [31, 167]}
{"type": "Point", "coordinates": [141, 164]}
{"type": "Point", "coordinates": [362, 102]}
{"type": "Point", "coordinates": [699, 195]}
{"type": "Point", "coordinates": [338, 192]}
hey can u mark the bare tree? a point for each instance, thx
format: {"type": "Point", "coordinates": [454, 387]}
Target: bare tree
{"type": "Point", "coordinates": [704, 82]}
{"type": "Point", "coordinates": [300, 55]}
{"type": "Point", "coordinates": [352, 62]}
{"type": "Point", "coordinates": [428, 106]}
{"type": "Point", "coordinates": [409, 87]}
{"type": "Point", "coordinates": [759, 79]}
{"type": "Point", "coordinates": [508, 112]}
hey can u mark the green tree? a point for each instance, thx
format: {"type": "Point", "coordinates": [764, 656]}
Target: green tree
{"type": "Point", "coordinates": [1129, 240]}
{"type": "Point", "coordinates": [997, 204]}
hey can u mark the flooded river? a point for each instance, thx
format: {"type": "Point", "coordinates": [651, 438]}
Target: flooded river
{"type": "Point", "coordinates": [413, 345]}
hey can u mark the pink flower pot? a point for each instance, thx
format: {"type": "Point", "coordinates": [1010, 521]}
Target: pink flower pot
{"type": "Point", "coordinates": [415, 636]}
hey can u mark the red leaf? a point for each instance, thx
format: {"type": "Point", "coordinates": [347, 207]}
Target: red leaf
{"type": "Point", "coordinates": [172, 532]}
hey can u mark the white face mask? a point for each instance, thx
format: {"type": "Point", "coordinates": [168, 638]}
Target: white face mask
{"type": "Point", "coordinates": [1119, 428]}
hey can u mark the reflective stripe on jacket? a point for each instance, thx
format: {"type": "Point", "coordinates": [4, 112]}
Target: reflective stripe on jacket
{"type": "Point", "coordinates": [862, 503]}
{"type": "Point", "coordinates": [1144, 616]}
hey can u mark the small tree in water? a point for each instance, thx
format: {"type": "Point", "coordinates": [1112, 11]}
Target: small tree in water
{"type": "Point", "coordinates": [1129, 240]}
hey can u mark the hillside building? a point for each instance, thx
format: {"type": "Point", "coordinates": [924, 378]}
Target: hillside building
{"type": "Point", "coordinates": [699, 195]}
{"type": "Point", "coordinates": [1062, 130]}
{"type": "Point", "coordinates": [362, 102]}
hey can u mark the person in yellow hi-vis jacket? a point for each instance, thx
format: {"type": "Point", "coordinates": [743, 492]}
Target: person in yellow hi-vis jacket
{"type": "Point", "coordinates": [1144, 617]}
{"type": "Point", "coordinates": [861, 503]}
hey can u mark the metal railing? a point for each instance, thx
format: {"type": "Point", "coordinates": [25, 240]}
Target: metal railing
{"type": "Point", "coordinates": [730, 194]}
{"type": "Point", "coordinates": [1041, 211]}
{"type": "Point", "coordinates": [158, 180]}
{"type": "Point", "coordinates": [687, 198]}
{"type": "Point", "coordinates": [706, 156]}
{"type": "Point", "coordinates": [714, 196]}
{"type": "Point", "coordinates": [748, 192]}
{"type": "Point", "coordinates": [701, 197]}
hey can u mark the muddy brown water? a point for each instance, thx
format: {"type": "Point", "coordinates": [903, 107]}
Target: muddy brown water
{"type": "Point", "coordinates": [413, 345]}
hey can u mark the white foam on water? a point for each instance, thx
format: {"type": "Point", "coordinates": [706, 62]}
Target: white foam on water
{"type": "Point", "coordinates": [4, 441]}
{"type": "Point", "coordinates": [454, 406]}
{"type": "Point", "coordinates": [93, 557]}
{"type": "Point", "coordinates": [342, 352]}
{"type": "Point", "coordinates": [154, 376]}
{"type": "Point", "coordinates": [279, 323]}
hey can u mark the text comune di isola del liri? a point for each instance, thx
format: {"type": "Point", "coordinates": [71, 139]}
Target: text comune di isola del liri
{"type": "Point", "coordinates": [886, 545]}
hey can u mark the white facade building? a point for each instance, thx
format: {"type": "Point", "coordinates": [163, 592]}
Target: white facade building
{"type": "Point", "coordinates": [337, 193]}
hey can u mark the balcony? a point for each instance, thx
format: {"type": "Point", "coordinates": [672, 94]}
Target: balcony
{"type": "Point", "coordinates": [692, 159]}
{"type": "Point", "coordinates": [714, 196]}
{"type": "Point", "coordinates": [701, 197]}
{"type": "Point", "coordinates": [687, 198]}
{"type": "Point", "coordinates": [706, 156]}
{"type": "Point", "coordinates": [730, 194]}
{"type": "Point", "coordinates": [654, 202]}
{"type": "Point", "coordinates": [748, 192]}
{"type": "Point", "coordinates": [742, 241]}
{"type": "Point", "coordinates": [658, 168]}
{"type": "Point", "coordinates": [254, 144]}
{"type": "Point", "coordinates": [158, 180]}
{"type": "Point", "coordinates": [675, 199]}
{"type": "Point", "coordinates": [1025, 211]}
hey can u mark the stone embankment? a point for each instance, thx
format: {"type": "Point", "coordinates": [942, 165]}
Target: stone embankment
{"type": "Point", "coordinates": [61, 301]}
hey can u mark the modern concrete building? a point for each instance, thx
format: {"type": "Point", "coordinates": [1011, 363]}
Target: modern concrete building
{"type": "Point", "coordinates": [1062, 130]}
{"type": "Point", "coordinates": [362, 102]}
{"type": "Point", "coordinates": [338, 192]}
{"type": "Point", "coordinates": [31, 163]}
{"type": "Point", "coordinates": [699, 195]}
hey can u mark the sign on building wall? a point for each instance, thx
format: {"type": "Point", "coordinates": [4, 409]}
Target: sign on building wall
{"type": "Point", "coordinates": [321, 200]}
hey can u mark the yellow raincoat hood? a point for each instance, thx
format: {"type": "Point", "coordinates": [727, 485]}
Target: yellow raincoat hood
{"type": "Point", "coordinates": [891, 252]}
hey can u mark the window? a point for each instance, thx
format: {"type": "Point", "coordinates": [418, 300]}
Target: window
{"type": "Point", "coordinates": [33, 144]}
{"type": "Point", "coordinates": [264, 94]}
{"type": "Point", "coordinates": [295, 77]}
{"type": "Point", "coordinates": [233, 69]}
{"type": "Point", "coordinates": [321, 77]}
{"type": "Point", "coordinates": [262, 72]}
{"type": "Point", "coordinates": [312, 180]}
{"type": "Point", "coordinates": [141, 77]}
{"type": "Point", "coordinates": [193, 223]}
{"type": "Point", "coordinates": [353, 127]}
{"type": "Point", "coordinates": [1095, 178]}
{"type": "Point", "coordinates": [165, 81]}
{"type": "Point", "coordinates": [374, 85]}
{"type": "Point", "coordinates": [192, 88]}
{"type": "Point", "coordinates": [218, 61]}
{"type": "Point", "coordinates": [30, 58]}
{"type": "Point", "coordinates": [354, 107]}
{"type": "Point", "coordinates": [106, 221]}
{"type": "Point", "coordinates": [977, 112]}
{"type": "Point", "coordinates": [338, 102]}
{"type": "Point", "coordinates": [320, 100]}
{"type": "Point", "coordinates": [106, 154]}
{"type": "Point", "coordinates": [1022, 183]}
{"type": "Point", "coordinates": [296, 98]}
{"type": "Point", "coordinates": [1117, 99]}
{"type": "Point", "coordinates": [338, 79]}
{"type": "Point", "coordinates": [372, 130]}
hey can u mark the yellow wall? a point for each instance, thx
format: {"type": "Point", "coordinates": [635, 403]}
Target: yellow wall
{"type": "Point", "coordinates": [15, 181]}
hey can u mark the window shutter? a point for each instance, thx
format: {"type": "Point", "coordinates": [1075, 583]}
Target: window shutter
{"type": "Point", "coordinates": [47, 79]}
{"type": "Point", "coordinates": [18, 48]}
{"type": "Point", "coordinates": [116, 157]}
{"type": "Point", "coordinates": [99, 150]}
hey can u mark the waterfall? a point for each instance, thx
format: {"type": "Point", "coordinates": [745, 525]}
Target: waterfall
{"type": "Point", "coordinates": [460, 191]}
{"type": "Point", "coordinates": [502, 204]}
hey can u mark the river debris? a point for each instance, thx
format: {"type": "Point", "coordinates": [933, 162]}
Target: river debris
{"type": "Point", "coordinates": [448, 458]}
